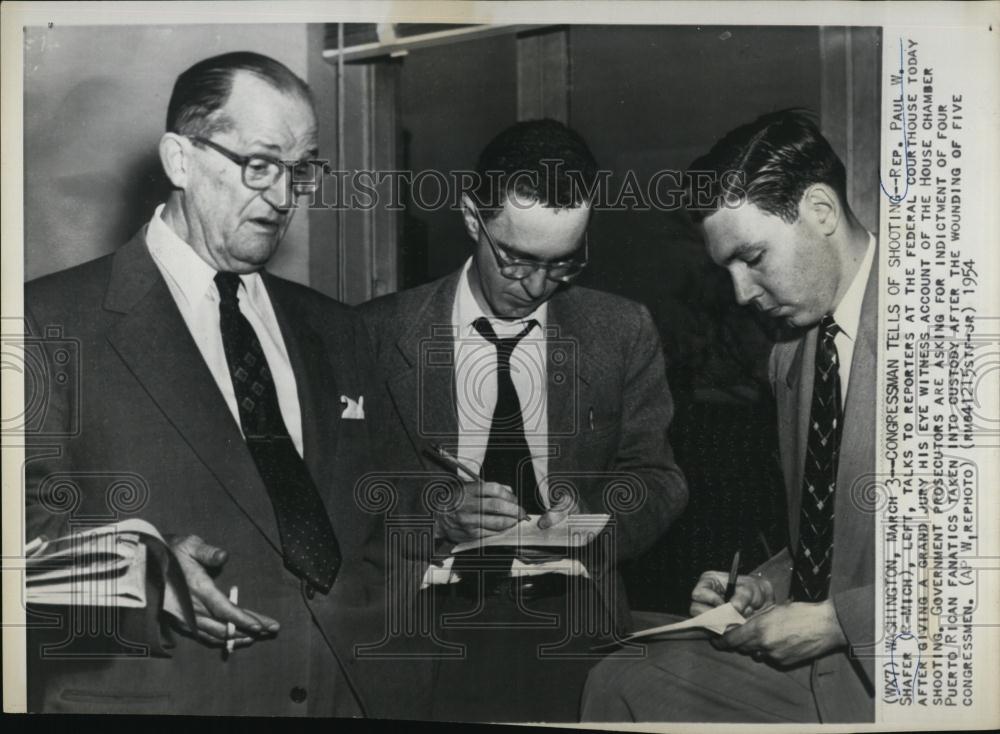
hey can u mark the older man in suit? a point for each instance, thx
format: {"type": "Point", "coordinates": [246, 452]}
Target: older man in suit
{"type": "Point", "coordinates": [555, 395]}
{"type": "Point", "coordinates": [211, 391]}
{"type": "Point", "coordinates": [779, 221]}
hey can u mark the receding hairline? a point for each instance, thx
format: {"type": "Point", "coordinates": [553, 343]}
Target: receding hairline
{"type": "Point", "coordinates": [220, 120]}
{"type": "Point", "coordinates": [202, 91]}
{"type": "Point", "coordinates": [301, 92]}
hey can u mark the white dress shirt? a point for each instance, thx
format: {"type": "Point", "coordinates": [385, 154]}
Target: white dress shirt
{"type": "Point", "coordinates": [847, 314]}
{"type": "Point", "coordinates": [191, 281]}
{"type": "Point", "coordinates": [476, 380]}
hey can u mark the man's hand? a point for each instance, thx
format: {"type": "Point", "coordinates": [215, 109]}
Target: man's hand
{"type": "Point", "coordinates": [212, 608]}
{"type": "Point", "coordinates": [486, 508]}
{"type": "Point", "coordinates": [752, 593]}
{"type": "Point", "coordinates": [562, 507]}
{"type": "Point", "coordinates": [787, 634]}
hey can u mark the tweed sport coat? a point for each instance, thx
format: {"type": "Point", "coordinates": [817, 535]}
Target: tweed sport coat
{"type": "Point", "coordinates": [609, 408]}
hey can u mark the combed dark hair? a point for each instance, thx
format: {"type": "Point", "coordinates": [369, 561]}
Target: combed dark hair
{"type": "Point", "coordinates": [201, 91]}
{"type": "Point", "coordinates": [769, 163]}
{"type": "Point", "coordinates": [543, 160]}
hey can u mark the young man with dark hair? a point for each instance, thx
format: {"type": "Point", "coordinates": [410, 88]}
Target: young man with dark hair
{"type": "Point", "coordinates": [778, 220]}
{"type": "Point", "coordinates": [556, 397]}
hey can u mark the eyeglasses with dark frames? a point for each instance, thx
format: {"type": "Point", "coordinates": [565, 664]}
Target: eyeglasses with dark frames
{"type": "Point", "coordinates": [261, 172]}
{"type": "Point", "coordinates": [514, 268]}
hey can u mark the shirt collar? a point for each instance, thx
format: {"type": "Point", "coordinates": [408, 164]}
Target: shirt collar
{"type": "Point", "coordinates": [848, 311]}
{"type": "Point", "coordinates": [194, 277]}
{"type": "Point", "coordinates": [467, 310]}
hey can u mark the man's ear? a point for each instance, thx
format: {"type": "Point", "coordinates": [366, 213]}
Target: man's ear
{"type": "Point", "coordinates": [820, 205]}
{"type": "Point", "coordinates": [470, 218]}
{"type": "Point", "coordinates": [175, 152]}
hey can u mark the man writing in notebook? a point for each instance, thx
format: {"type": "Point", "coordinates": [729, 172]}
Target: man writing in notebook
{"type": "Point", "coordinates": [779, 222]}
{"type": "Point", "coordinates": [556, 396]}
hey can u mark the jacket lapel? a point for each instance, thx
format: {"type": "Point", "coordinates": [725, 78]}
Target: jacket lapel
{"type": "Point", "coordinates": [422, 384]}
{"type": "Point", "coordinates": [853, 529]}
{"type": "Point", "coordinates": [153, 340]}
{"type": "Point", "coordinates": [799, 384]}
{"type": "Point", "coordinates": [315, 383]}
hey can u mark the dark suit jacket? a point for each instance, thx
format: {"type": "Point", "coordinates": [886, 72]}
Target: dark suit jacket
{"type": "Point", "coordinates": [842, 682]}
{"type": "Point", "coordinates": [138, 428]}
{"type": "Point", "coordinates": [603, 360]}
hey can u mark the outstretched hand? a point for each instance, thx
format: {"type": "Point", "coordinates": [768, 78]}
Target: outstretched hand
{"type": "Point", "coordinates": [213, 610]}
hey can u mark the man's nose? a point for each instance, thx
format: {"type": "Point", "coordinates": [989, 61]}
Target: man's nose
{"type": "Point", "coordinates": [534, 284]}
{"type": "Point", "coordinates": [279, 194]}
{"type": "Point", "coordinates": [744, 287]}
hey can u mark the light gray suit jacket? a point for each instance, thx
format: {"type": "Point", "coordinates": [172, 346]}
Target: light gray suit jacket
{"type": "Point", "coordinates": [842, 682]}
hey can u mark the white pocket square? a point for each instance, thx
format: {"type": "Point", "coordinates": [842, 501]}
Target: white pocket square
{"type": "Point", "coordinates": [354, 410]}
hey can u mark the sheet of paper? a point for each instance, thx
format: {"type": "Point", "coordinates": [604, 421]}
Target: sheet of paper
{"type": "Point", "coordinates": [83, 556]}
{"type": "Point", "coordinates": [72, 545]}
{"type": "Point", "coordinates": [575, 531]}
{"type": "Point", "coordinates": [716, 620]}
{"type": "Point", "coordinates": [126, 589]}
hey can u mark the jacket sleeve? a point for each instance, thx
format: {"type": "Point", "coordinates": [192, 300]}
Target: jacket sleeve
{"type": "Point", "coordinates": [777, 570]}
{"type": "Point", "coordinates": [644, 451]}
{"type": "Point", "coordinates": [856, 614]}
{"type": "Point", "coordinates": [50, 386]}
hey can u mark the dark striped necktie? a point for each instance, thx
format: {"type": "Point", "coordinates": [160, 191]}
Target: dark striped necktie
{"type": "Point", "coordinates": [308, 544]}
{"type": "Point", "coordinates": [814, 557]}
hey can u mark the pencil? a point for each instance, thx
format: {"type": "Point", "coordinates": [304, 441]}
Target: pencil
{"type": "Point", "coordinates": [733, 574]}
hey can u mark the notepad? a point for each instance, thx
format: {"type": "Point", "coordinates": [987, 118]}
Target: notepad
{"type": "Point", "coordinates": [575, 531]}
{"type": "Point", "coordinates": [716, 620]}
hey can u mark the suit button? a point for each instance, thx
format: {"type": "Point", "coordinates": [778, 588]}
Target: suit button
{"type": "Point", "coordinates": [310, 591]}
{"type": "Point", "coordinates": [298, 694]}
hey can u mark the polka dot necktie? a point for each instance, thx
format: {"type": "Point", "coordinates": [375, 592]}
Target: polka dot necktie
{"type": "Point", "coordinates": [814, 557]}
{"type": "Point", "coordinates": [308, 544]}
{"type": "Point", "coordinates": [508, 459]}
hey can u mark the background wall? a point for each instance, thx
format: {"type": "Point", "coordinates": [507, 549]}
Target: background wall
{"type": "Point", "coordinates": [453, 99]}
{"type": "Point", "coordinates": [95, 103]}
{"type": "Point", "coordinates": [645, 99]}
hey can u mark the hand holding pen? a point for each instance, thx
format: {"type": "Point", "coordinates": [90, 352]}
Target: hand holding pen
{"type": "Point", "coordinates": [484, 508]}
{"type": "Point", "coordinates": [748, 594]}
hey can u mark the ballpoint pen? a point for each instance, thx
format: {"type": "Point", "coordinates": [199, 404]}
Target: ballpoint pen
{"type": "Point", "coordinates": [733, 574]}
{"type": "Point", "coordinates": [442, 454]}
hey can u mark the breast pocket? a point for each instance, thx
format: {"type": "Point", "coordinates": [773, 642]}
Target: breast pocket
{"type": "Point", "coordinates": [599, 424]}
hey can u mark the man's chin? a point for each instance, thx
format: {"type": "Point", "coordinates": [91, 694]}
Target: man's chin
{"type": "Point", "coordinates": [797, 320]}
{"type": "Point", "coordinates": [517, 310]}
{"type": "Point", "coordinates": [255, 255]}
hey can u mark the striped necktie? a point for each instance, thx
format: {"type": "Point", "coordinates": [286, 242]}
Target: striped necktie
{"type": "Point", "coordinates": [814, 557]}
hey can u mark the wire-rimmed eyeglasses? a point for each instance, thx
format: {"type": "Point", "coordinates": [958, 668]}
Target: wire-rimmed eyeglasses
{"type": "Point", "coordinates": [514, 268]}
